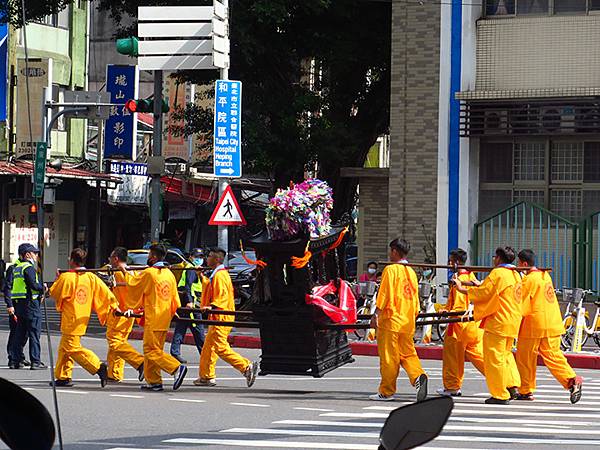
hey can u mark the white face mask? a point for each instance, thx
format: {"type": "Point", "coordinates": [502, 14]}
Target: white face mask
{"type": "Point", "coordinates": [372, 271]}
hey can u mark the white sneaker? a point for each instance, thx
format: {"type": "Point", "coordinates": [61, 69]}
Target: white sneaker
{"type": "Point", "coordinates": [250, 373]}
{"type": "Point", "coordinates": [205, 382]}
{"type": "Point", "coordinates": [382, 398]}
{"type": "Point", "coordinates": [421, 387]}
{"type": "Point", "coordinates": [449, 392]}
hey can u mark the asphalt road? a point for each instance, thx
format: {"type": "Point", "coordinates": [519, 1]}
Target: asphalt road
{"type": "Point", "coordinates": [299, 412]}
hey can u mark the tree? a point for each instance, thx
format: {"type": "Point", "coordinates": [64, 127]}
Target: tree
{"type": "Point", "coordinates": [316, 77]}
{"type": "Point", "coordinates": [11, 10]}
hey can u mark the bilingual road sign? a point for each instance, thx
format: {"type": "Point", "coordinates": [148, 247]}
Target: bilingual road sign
{"type": "Point", "coordinates": [227, 138]}
{"type": "Point", "coordinates": [39, 170]}
{"type": "Point", "coordinates": [121, 127]}
{"type": "Point", "coordinates": [3, 65]}
{"type": "Point", "coordinates": [228, 211]}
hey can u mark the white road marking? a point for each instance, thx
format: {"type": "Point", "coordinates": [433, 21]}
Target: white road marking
{"type": "Point", "coordinates": [455, 417]}
{"type": "Point", "coordinates": [371, 435]}
{"type": "Point", "coordinates": [564, 396]}
{"type": "Point", "coordinates": [559, 388]}
{"type": "Point", "coordinates": [270, 444]}
{"type": "Point", "coordinates": [314, 409]}
{"type": "Point", "coordinates": [126, 396]}
{"type": "Point", "coordinates": [189, 400]}
{"type": "Point", "coordinates": [255, 405]}
{"type": "Point", "coordinates": [562, 408]}
{"type": "Point", "coordinates": [72, 392]}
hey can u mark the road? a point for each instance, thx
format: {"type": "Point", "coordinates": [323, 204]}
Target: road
{"type": "Point", "coordinates": [298, 412]}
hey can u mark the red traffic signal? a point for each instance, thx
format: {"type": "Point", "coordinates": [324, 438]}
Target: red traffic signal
{"type": "Point", "coordinates": [144, 106]}
{"type": "Point", "coordinates": [33, 213]}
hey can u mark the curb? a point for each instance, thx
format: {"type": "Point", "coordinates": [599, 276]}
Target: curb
{"type": "Point", "coordinates": [427, 352]}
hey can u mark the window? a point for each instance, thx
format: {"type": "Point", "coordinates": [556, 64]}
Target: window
{"type": "Point", "coordinates": [496, 162]}
{"type": "Point", "coordinates": [536, 197]}
{"type": "Point", "coordinates": [569, 6]}
{"type": "Point", "coordinates": [500, 7]}
{"type": "Point", "coordinates": [566, 203]}
{"type": "Point", "coordinates": [492, 201]}
{"type": "Point", "coordinates": [567, 161]}
{"type": "Point", "coordinates": [529, 160]}
{"type": "Point", "coordinates": [591, 166]}
{"type": "Point", "coordinates": [59, 20]}
{"type": "Point", "coordinates": [532, 6]}
{"type": "Point", "coordinates": [594, 5]}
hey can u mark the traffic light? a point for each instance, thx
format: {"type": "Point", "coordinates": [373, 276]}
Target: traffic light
{"type": "Point", "coordinates": [128, 46]}
{"type": "Point", "coordinates": [33, 213]}
{"type": "Point", "coordinates": [145, 106]}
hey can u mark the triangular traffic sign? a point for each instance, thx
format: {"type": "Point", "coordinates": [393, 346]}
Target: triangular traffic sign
{"type": "Point", "coordinates": [228, 211]}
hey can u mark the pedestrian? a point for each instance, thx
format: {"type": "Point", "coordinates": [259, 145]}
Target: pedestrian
{"type": "Point", "coordinates": [77, 294]}
{"type": "Point", "coordinates": [218, 295]}
{"type": "Point", "coordinates": [462, 340]}
{"type": "Point", "coordinates": [370, 274]}
{"type": "Point", "coordinates": [155, 291]}
{"type": "Point", "coordinates": [499, 309]}
{"type": "Point", "coordinates": [17, 361]}
{"type": "Point", "coordinates": [190, 291]}
{"type": "Point", "coordinates": [118, 328]}
{"type": "Point", "coordinates": [26, 296]}
{"type": "Point", "coordinates": [394, 319]}
{"type": "Point", "coordinates": [540, 333]}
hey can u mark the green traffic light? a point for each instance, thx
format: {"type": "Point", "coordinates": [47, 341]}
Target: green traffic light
{"type": "Point", "coordinates": [128, 46]}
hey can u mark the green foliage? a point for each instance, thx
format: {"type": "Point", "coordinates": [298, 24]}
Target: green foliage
{"type": "Point", "coordinates": [11, 12]}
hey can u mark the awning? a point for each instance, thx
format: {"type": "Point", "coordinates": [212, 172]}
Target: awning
{"type": "Point", "coordinates": [25, 168]}
{"type": "Point", "coordinates": [544, 93]}
{"type": "Point", "coordinates": [177, 189]}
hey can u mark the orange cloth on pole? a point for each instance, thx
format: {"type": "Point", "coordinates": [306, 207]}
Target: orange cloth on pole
{"type": "Point", "coordinates": [76, 294]}
{"type": "Point", "coordinates": [155, 290]}
{"type": "Point", "coordinates": [398, 299]}
{"type": "Point", "coordinates": [496, 304]}
{"type": "Point", "coordinates": [541, 312]}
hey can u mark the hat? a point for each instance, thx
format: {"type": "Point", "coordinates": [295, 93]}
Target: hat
{"type": "Point", "coordinates": [197, 252]}
{"type": "Point", "coordinates": [26, 248]}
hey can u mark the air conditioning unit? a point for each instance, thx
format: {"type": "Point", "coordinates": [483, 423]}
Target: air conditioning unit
{"type": "Point", "coordinates": [558, 120]}
{"type": "Point", "coordinates": [587, 120]}
{"type": "Point", "coordinates": [495, 122]}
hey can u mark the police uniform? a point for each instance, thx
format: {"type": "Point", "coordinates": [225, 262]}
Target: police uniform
{"type": "Point", "coordinates": [25, 296]}
{"type": "Point", "coordinates": [190, 289]}
{"type": "Point", "coordinates": [15, 361]}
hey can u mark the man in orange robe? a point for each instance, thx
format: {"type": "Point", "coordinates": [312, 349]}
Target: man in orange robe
{"type": "Point", "coordinates": [394, 319]}
{"type": "Point", "coordinates": [76, 294]}
{"type": "Point", "coordinates": [540, 333]}
{"type": "Point", "coordinates": [155, 291]}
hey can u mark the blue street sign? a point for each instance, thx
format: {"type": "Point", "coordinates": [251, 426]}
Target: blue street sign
{"type": "Point", "coordinates": [121, 126]}
{"type": "Point", "coordinates": [3, 72]}
{"type": "Point", "coordinates": [227, 154]}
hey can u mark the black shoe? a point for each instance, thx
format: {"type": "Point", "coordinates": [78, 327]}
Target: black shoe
{"type": "Point", "coordinates": [496, 401]}
{"type": "Point", "coordinates": [179, 376]}
{"type": "Point", "coordinates": [62, 383]}
{"type": "Point", "coordinates": [38, 366]}
{"type": "Point", "coordinates": [180, 359]}
{"type": "Point", "coordinates": [513, 392]}
{"type": "Point", "coordinates": [14, 365]}
{"type": "Point", "coordinates": [528, 397]}
{"type": "Point", "coordinates": [103, 374]}
{"type": "Point", "coordinates": [152, 387]}
{"type": "Point", "coordinates": [25, 363]}
{"type": "Point", "coordinates": [421, 386]}
{"type": "Point", "coordinates": [141, 372]}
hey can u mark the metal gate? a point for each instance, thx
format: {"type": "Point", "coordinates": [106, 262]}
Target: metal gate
{"type": "Point", "coordinates": [589, 252]}
{"type": "Point", "coordinates": [525, 225]}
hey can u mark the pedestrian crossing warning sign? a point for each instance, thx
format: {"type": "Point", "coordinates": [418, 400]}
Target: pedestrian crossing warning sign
{"type": "Point", "coordinates": [228, 211]}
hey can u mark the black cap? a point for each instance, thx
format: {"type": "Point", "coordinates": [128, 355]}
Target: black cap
{"type": "Point", "coordinates": [197, 252]}
{"type": "Point", "coordinates": [27, 248]}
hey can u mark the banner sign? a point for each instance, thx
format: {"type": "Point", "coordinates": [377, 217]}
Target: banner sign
{"type": "Point", "coordinates": [3, 65]}
{"type": "Point", "coordinates": [134, 188]}
{"type": "Point", "coordinates": [121, 127]}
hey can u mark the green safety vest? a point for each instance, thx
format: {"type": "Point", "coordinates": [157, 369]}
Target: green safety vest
{"type": "Point", "coordinates": [196, 288]}
{"type": "Point", "coordinates": [19, 288]}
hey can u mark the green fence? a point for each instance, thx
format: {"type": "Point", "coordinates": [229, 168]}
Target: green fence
{"type": "Point", "coordinates": [589, 252]}
{"type": "Point", "coordinates": [525, 225]}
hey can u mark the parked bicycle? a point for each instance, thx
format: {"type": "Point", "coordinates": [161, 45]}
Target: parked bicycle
{"type": "Point", "coordinates": [367, 299]}
{"type": "Point", "coordinates": [575, 297]}
{"type": "Point", "coordinates": [428, 304]}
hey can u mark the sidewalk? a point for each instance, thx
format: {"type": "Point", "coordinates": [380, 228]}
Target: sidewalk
{"type": "Point", "coordinates": [585, 360]}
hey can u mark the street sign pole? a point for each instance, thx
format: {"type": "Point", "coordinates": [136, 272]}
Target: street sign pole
{"type": "Point", "coordinates": [156, 154]}
{"type": "Point", "coordinates": [223, 231]}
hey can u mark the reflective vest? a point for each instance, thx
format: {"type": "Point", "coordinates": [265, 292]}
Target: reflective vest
{"type": "Point", "coordinates": [19, 288]}
{"type": "Point", "coordinates": [196, 288]}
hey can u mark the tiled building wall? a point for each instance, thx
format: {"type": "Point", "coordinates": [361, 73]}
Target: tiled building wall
{"type": "Point", "coordinates": [373, 217]}
{"type": "Point", "coordinates": [414, 123]}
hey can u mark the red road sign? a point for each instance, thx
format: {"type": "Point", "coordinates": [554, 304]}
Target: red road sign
{"type": "Point", "coordinates": [228, 211]}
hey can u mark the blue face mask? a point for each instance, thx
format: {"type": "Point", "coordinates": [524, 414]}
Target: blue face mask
{"type": "Point", "coordinates": [198, 261]}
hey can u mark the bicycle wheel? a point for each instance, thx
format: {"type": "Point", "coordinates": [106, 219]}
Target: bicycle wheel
{"type": "Point", "coordinates": [441, 329]}
{"type": "Point", "coordinates": [566, 340]}
{"type": "Point", "coordinates": [361, 333]}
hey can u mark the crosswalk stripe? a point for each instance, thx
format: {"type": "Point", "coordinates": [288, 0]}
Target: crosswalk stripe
{"type": "Point", "coordinates": [560, 408]}
{"type": "Point", "coordinates": [548, 396]}
{"type": "Point", "coordinates": [370, 435]}
{"type": "Point", "coordinates": [456, 418]}
{"type": "Point", "coordinates": [270, 444]}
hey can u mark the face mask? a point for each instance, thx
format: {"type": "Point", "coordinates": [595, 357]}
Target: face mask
{"type": "Point", "coordinates": [372, 271]}
{"type": "Point", "coordinates": [426, 273]}
{"type": "Point", "coordinates": [198, 261]}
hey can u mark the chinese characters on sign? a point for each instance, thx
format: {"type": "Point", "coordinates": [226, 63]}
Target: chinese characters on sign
{"type": "Point", "coordinates": [134, 188]}
{"type": "Point", "coordinates": [228, 129]}
{"type": "Point", "coordinates": [121, 126]}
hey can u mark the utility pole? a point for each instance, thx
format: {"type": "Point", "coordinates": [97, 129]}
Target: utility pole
{"type": "Point", "coordinates": [100, 161]}
{"type": "Point", "coordinates": [222, 230]}
{"type": "Point", "coordinates": [157, 163]}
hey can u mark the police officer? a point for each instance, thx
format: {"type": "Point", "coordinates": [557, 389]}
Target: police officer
{"type": "Point", "coordinates": [14, 361]}
{"type": "Point", "coordinates": [25, 296]}
{"type": "Point", "coordinates": [190, 290]}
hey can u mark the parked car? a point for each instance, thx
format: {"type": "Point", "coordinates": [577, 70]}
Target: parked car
{"type": "Point", "coordinates": [243, 276]}
{"type": "Point", "coordinates": [175, 258]}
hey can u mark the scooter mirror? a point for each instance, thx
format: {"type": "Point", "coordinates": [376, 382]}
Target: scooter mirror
{"type": "Point", "coordinates": [25, 423]}
{"type": "Point", "coordinates": [415, 424]}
